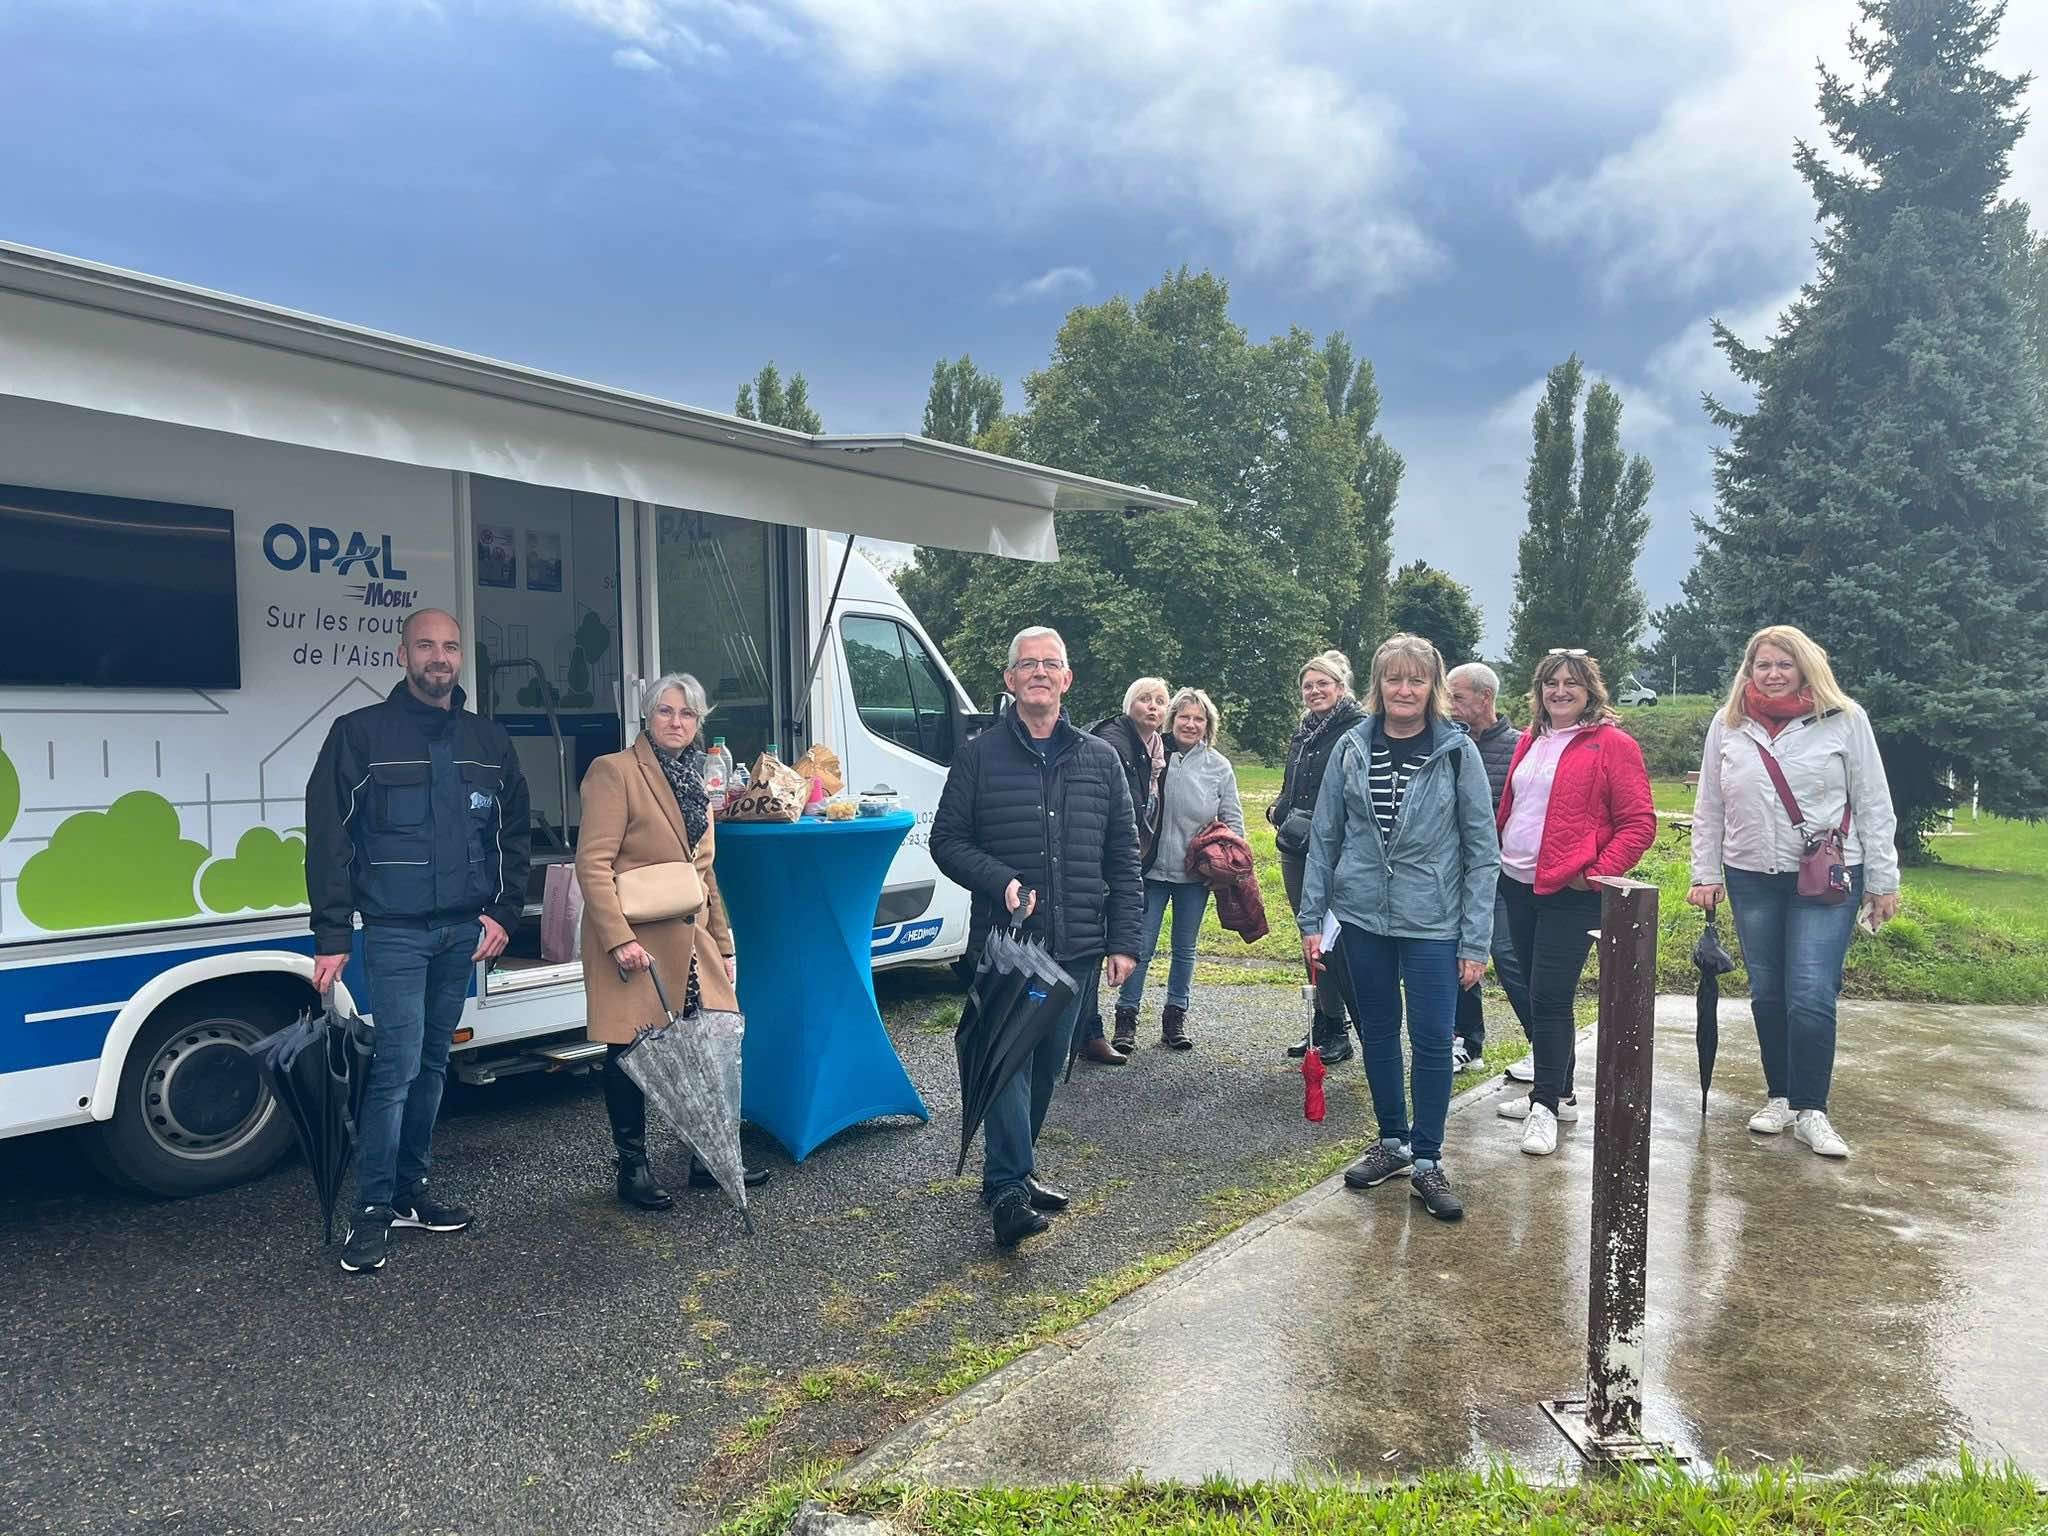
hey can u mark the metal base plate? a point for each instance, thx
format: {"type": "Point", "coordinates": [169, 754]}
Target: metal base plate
{"type": "Point", "coordinates": [1570, 1416]}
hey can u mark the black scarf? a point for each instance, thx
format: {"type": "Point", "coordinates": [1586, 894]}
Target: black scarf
{"type": "Point", "coordinates": [1312, 727]}
{"type": "Point", "coordinates": [684, 771]}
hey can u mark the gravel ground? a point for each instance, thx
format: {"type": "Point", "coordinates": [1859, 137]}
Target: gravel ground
{"type": "Point", "coordinates": [204, 1367]}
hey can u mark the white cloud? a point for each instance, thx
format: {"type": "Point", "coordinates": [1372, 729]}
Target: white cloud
{"type": "Point", "coordinates": [1059, 282]}
{"type": "Point", "coordinates": [638, 59]}
{"type": "Point", "coordinates": [1232, 110]}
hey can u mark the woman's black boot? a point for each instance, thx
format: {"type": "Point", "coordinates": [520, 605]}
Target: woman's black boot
{"type": "Point", "coordinates": [627, 1109]}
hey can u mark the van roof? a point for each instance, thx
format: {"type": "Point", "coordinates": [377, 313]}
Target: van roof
{"type": "Point", "coordinates": [100, 338]}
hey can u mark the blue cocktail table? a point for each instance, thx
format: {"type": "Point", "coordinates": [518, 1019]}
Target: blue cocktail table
{"type": "Point", "coordinates": [801, 897]}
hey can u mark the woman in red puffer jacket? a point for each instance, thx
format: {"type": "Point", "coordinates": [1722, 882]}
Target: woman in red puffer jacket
{"type": "Point", "coordinates": [1577, 805]}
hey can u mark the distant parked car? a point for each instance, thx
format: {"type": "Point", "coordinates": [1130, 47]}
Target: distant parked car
{"type": "Point", "coordinates": [1634, 692]}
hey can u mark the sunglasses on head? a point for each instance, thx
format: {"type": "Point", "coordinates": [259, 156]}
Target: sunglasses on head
{"type": "Point", "coordinates": [1561, 651]}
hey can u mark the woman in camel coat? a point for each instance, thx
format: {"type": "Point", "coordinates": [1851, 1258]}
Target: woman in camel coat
{"type": "Point", "coordinates": [647, 805]}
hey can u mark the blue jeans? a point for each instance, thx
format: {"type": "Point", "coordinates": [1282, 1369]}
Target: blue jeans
{"type": "Point", "coordinates": [1190, 900]}
{"type": "Point", "coordinates": [1794, 948]}
{"type": "Point", "coordinates": [418, 980]}
{"type": "Point", "coordinates": [1381, 970]}
{"type": "Point", "coordinates": [1010, 1129]}
{"type": "Point", "coordinates": [1507, 970]}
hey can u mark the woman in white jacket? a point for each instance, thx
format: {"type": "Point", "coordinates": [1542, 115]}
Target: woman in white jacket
{"type": "Point", "coordinates": [1785, 706]}
{"type": "Point", "coordinates": [1200, 787]}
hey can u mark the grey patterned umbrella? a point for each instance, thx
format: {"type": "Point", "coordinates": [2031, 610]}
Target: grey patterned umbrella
{"type": "Point", "coordinates": [689, 1068]}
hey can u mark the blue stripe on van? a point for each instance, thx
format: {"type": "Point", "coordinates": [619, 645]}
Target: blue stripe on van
{"type": "Point", "coordinates": [88, 981]}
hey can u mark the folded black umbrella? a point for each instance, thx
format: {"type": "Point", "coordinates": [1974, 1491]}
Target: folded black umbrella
{"type": "Point", "coordinates": [316, 1068]}
{"type": "Point", "coordinates": [1714, 962]}
{"type": "Point", "coordinates": [1018, 995]}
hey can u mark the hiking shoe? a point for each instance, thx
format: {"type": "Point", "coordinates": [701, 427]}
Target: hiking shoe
{"type": "Point", "coordinates": [1539, 1132]}
{"type": "Point", "coordinates": [1774, 1117]}
{"type": "Point", "coordinates": [1014, 1220]}
{"type": "Point", "coordinates": [1812, 1128]}
{"type": "Point", "coordinates": [369, 1239]}
{"type": "Point", "coordinates": [1522, 1070]}
{"type": "Point", "coordinates": [1434, 1191]}
{"type": "Point", "coordinates": [1464, 1058]}
{"type": "Point", "coordinates": [1518, 1107]}
{"type": "Point", "coordinates": [418, 1211]}
{"type": "Point", "coordinates": [1378, 1165]}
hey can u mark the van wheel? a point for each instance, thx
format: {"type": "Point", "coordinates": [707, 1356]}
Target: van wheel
{"type": "Point", "coordinates": [193, 1114]}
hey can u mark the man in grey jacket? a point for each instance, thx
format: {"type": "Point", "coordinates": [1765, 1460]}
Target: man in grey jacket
{"type": "Point", "coordinates": [1475, 697]}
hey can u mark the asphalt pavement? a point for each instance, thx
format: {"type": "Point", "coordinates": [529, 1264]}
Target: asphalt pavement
{"type": "Point", "coordinates": [204, 1368]}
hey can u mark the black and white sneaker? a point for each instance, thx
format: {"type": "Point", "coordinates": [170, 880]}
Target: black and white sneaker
{"type": "Point", "coordinates": [418, 1211]}
{"type": "Point", "coordinates": [369, 1239]}
{"type": "Point", "coordinates": [1434, 1191]}
{"type": "Point", "coordinates": [1378, 1165]}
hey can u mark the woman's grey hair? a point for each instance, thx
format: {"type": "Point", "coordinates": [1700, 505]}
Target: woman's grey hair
{"type": "Point", "coordinates": [1036, 632]}
{"type": "Point", "coordinates": [1201, 701]}
{"type": "Point", "coordinates": [683, 683]}
{"type": "Point", "coordinates": [1478, 674]}
{"type": "Point", "coordinates": [1143, 686]}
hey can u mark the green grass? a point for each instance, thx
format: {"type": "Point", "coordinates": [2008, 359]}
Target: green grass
{"type": "Point", "coordinates": [1973, 927]}
{"type": "Point", "coordinates": [1650, 1502]}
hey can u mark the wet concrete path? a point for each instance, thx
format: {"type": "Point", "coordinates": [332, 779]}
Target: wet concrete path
{"type": "Point", "coordinates": [1884, 1310]}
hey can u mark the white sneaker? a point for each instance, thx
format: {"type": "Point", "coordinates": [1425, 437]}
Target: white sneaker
{"type": "Point", "coordinates": [1539, 1135]}
{"type": "Point", "coordinates": [1812, 1128]}
{"type": "Point", "coordinates": [1518, 1107]}
{"type": "Point", "coordinates": [1523, 1070]}
{"type": "Point", "coordinates": [1462, 1060]}
{"type": "Point", "coordinates": [1774, 1117]}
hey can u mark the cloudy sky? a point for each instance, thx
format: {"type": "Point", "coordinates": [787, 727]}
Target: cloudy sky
{"type": "Point", "coordinates": [661, 194]}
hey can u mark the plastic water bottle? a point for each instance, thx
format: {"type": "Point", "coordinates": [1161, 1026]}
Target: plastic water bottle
{"type": "Point", "coordinates": [717, 773]}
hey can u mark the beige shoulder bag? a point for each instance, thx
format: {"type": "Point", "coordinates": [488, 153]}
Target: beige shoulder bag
{"type": "Point", "coordinates": [655, 893]}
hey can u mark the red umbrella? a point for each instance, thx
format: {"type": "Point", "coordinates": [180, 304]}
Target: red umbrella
{"type": "Point", "coordinates": [1312, 1069]}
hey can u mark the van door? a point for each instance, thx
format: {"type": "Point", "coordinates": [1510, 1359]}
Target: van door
{"type": "Point", "coordinates": [903, 713]}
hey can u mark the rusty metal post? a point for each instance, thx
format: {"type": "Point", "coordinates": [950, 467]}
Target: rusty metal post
{"type": "Point", "coordinates": [1606, 1425]}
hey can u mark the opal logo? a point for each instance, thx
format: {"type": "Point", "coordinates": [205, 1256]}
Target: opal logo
{"type": "Point", "coordinates": [317, 549]}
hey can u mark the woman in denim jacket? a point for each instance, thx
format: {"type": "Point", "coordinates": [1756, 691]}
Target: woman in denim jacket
{"type": "Point", "coordinates": [1403, 856]}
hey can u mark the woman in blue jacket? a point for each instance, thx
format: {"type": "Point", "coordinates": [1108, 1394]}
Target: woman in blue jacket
{"type": "Point", "coordinates": [1403, 855]}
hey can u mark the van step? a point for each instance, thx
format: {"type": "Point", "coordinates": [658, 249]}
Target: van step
{"type": "Point", "coordinates": [565, 1054]}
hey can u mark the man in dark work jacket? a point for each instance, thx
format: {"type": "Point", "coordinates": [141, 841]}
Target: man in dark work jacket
{"type": "Point", "coordinates": [1475, 694]}
{"type": "Point", "coordinates": [1036, 822]}
{"type": "Point", "coordinates": [416, 818]}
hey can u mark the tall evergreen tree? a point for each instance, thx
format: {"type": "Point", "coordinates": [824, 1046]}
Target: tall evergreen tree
{"type": "Point", "coordinates": [1576, 582]}
{"type": "Point", "coordinates": [1353, 397]}
{"type": "Point", "coordinates": [1434, 604]}
{"type": "Point", "coordinates": [1888, 493]}
{"type": "Point", "coordinates": [768, 399]}
{"type": "Point", "coordinates": [963, 402]}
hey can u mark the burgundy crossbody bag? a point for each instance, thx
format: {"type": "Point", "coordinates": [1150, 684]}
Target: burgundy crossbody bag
{"type": "Point", "coordinates": [1823, 868]}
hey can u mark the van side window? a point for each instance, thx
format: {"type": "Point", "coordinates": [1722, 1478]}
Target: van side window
{"type": "Point", "coordinates": [898, 690]}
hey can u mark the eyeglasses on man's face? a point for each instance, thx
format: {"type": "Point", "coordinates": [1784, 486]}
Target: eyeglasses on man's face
{"type": "Point", "coordinates": [1029, 664]}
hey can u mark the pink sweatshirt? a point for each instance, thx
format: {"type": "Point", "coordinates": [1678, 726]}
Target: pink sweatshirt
{"type": "Point", "coordinates": [1521, 840]}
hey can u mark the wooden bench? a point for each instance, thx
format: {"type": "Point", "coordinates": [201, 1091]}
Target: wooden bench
{"type": "Point", "coordinates": [1692, 781]}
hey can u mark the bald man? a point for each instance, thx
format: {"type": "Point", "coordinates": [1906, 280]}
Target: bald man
{"type": "Point", "coordinates": [416, 819]}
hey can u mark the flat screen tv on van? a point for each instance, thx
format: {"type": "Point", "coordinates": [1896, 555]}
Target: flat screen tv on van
{"type": "Point", "coordinates": [114, 592]}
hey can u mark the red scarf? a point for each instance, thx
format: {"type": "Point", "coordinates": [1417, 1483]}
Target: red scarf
{"type": "Point", "coordinates": [1776, 714]}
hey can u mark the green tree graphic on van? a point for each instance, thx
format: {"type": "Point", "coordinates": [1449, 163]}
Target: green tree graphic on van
{"type": "Point", "coordinates": [266, 871]}
{"type": "Point", "coordinates": [127, 864]}
{"type": "Point", "coordinates": [10, 795]}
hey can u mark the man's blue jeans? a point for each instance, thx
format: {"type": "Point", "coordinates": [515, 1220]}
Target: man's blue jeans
{"type": "Point", "coordinates": [1190, 900]}
{"type": "Point", "coordinates": [1794, 948]}
{"type": "Point", "coordinates": [1010, 1129]}
{"type": "Point", "coordinates": [1381, 970]}
{"type": "Point", "coordinates": [418, 980]}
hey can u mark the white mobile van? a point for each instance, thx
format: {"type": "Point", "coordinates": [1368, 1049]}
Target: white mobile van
{"type": "Point", "coordinates": [214, 517]}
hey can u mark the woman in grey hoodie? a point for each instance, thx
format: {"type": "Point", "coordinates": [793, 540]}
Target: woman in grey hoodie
{"type": "Point", "coordinates": [1200, 787]}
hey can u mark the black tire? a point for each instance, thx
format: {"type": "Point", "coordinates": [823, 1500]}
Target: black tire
{"type": "Point", "coordinates": [192, 1116]}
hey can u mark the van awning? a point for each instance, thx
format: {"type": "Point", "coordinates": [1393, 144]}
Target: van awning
{"type": "Point", "coordinates": [102, 339]}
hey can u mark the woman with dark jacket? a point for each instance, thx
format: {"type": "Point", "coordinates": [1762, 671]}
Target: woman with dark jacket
{"type": "Point", "coordinates": [1577, 806]}
{"type": "Point", "coordinates": [647, 806]}
{"type": "Point", "coordinates": [1329, 710]}
{"type": "Point", "coordinates": [1141, 748]}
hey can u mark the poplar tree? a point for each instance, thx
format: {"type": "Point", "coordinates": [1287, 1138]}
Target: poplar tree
{"type": "Point", "coordinates": [1888, 491]}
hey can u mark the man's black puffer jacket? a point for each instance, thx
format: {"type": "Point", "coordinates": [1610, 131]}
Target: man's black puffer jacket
{"type": "Point", "coordinates": [1066, 832]}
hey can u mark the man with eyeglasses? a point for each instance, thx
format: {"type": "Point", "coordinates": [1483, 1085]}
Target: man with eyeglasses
{"type": "Point", "coordinates": [1036, 822]}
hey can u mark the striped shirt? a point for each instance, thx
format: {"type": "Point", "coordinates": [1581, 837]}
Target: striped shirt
{"type": "Point", "coordinates": [1394, 764]}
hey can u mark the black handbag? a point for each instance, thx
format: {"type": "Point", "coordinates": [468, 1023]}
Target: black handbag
{"type": "Point", "coordinates": [1291, 837]}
